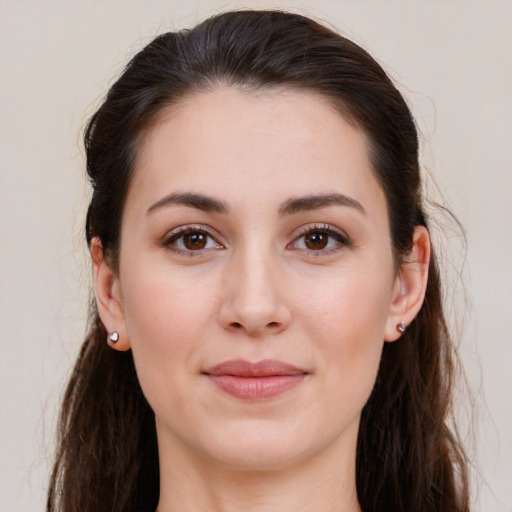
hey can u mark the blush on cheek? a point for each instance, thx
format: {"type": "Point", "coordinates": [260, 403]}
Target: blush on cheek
{"type": "Point", "coordinates": [158, 378]}
{"type": "Point", "coordinates": [349, 330]}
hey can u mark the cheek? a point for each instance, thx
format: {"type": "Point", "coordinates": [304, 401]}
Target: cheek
{"type": "Point", "coordinates": [165, 306]}
{"type": "Point", "coordinates": [355, 306]}
{"type": "Point", "coordinates": [166, 317]}
{"type": "Point", "coordinates": [348, 321]}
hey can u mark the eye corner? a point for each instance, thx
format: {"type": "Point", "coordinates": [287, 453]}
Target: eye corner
{"type": "Point", "coordinates": [329, 240]}
{"type": "Point", "coordinates": [191, 240]}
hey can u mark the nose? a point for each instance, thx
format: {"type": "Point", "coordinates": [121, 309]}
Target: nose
{"type": "Point", "coordinates": [254, 296]}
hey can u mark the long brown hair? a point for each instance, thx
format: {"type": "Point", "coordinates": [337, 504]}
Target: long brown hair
{"type": "Point", "coordinates": [408, 460]}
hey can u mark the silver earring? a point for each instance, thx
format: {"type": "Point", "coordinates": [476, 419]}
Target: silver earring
{"type": "Point", "coordinates": [401, 327]}
{"type": "Point", "coordinates": [113, 337]}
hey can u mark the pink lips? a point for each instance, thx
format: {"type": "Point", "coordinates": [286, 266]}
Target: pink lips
{"type": "Point", "coordinates": [255, 381]}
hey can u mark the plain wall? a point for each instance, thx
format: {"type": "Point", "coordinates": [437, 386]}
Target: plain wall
{"type": "Point", "coordinates": [453, 61]}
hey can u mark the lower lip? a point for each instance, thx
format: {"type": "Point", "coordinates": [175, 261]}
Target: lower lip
{"type": "Point", "coordinates": [256, 388]}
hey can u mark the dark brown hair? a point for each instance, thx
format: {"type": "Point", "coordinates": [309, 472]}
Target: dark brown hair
{"type": "Point", "coordinates": [408, 460]}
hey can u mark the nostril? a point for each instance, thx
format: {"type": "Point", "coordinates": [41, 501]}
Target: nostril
{"type": "Point", "coordinates": [270, 325]}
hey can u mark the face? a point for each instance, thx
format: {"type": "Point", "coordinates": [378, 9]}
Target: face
{"type": "Point", "coordinates": [256, 283]}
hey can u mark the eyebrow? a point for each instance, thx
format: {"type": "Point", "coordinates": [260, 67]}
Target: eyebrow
{"type": "Point", "coordinates": [317, 201]}
{"type": "Point", "coordinates": [192, 200]}
{"type": "Point", "coordinates": [289, 207]}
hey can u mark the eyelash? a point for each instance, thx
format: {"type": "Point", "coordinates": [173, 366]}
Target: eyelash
{"type": "Point", "coordinates": [340, 238]}
{"type": "Point", "coordinates": [182, 231]}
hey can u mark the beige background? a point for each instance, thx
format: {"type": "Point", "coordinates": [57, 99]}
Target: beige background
{"type": "Point", "coordinates": [451, 58]}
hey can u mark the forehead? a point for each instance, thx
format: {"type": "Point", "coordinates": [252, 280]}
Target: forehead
{"type": "Point", "coordinates": [240, 145]}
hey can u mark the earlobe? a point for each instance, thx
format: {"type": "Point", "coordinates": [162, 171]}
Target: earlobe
{"type": "Point", "coordinates": [108, 297]}
{"type": "Point", "coordinates": [410, 286]}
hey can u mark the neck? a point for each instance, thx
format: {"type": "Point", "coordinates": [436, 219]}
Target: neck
{"type": "Point", "coordinates": [326, 482]}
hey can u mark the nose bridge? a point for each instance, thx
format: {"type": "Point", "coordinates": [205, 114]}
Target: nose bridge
{"type": "Point", "coordinates": [254, 300]}
{"type": "Point", "coordinates": [256, 267]}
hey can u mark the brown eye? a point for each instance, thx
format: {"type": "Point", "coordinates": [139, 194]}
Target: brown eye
{"type": "Point", "coordinates": [191, 240]}
{"type": "Point", "coordinates": [195, 241]}
{"type": "Point", "coordinates": [320, 241]}
{"type": "Point", "coordinates": [316, 241]}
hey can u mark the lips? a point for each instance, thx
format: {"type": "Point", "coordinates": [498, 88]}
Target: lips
{"type": "Point", "coordinates": [255, 381]}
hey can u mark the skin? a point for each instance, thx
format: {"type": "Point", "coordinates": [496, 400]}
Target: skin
{"type": "Point", "coordinates": [259, 289]}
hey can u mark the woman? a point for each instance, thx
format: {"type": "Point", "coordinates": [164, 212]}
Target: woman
{"type": "Point", "coordinates": [267, 332]}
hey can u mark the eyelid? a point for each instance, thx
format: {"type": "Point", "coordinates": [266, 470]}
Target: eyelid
{"type": "Point", "coordinates": [342, 239]}
{"type": "Point", "coordinates": [339, 235]}
{"type": "Point", "coordinates": [321, 226]}
{"type": "Point", "coordinates": [176, 233]}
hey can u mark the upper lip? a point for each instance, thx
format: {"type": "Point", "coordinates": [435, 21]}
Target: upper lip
{"type": "Point", "coordinates": [264, 368]}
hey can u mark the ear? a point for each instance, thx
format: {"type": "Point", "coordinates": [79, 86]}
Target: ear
{"type": "Point", "coordinates": [410, 284]}
{"type": "Point", "coordinates": [108, 296]}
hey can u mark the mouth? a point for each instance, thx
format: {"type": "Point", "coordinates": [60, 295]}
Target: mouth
{"type": "Point", "coordinates": [255, 381]}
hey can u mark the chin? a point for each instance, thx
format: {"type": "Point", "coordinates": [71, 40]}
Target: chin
{"type": "Point", "coordinates": [252, 447]}
{"type": "Point", "coordinates": [261, 446]}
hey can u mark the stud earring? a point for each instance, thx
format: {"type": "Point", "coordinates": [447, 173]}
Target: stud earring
{"type": "Point", "coordinates": [113, 337]}
{"type": "Point", "coordinates": [401, 327]}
